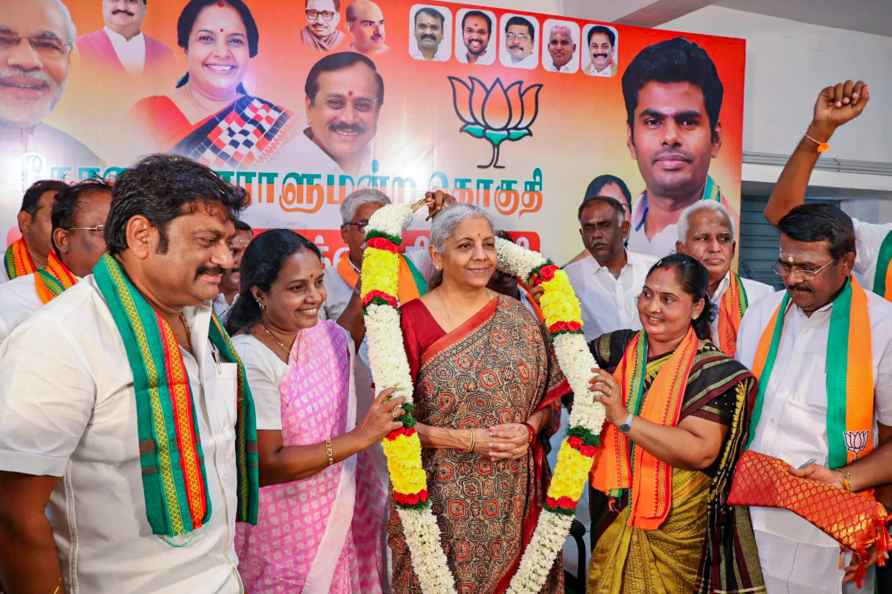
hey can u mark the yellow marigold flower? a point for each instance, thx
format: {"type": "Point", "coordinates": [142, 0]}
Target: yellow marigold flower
{"type": "Point", "coordinates": [571, 472]}
{"type": "Point", "coordinates": [380, 271]}
{"type": "Point", "coordinates": [404, 463]}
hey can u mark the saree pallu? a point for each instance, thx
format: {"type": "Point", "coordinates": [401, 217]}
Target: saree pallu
{"type": "Point", "coordinates": [494, 368]}
{"type": "Point", "coordinates": [324, 533]}
{"type": "Point", "coordinates": [704, 545]}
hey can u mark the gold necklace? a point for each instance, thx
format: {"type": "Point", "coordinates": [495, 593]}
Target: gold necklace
{"type": "Point", "coordinates": [281, 344]}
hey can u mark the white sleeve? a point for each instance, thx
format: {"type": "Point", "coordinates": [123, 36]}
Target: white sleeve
{"type": "Point", "coordinates": [264, 386]}
{"type": "Point", "coordinates": [868, 239]}
{"type": "Point", "coordinates": [883, 386]}
{"type": "Point", "coordinates": [47, 395]}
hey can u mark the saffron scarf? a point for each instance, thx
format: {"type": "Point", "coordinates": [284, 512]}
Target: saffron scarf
{"type": "Point", "coordinates": [882, 278]}
{"type": "Point", "coordinates": [619, 465]}
{"type": "Point", "coordinates": [17, 260]}
{"type": "Point", "coordinates": [848, 371]}
{"type": "Point", "coordinates": [53, 278]}
{"type": "Point", "coordinates": [731, 309]}
{"type": "Point", "coordinates": [411, 284]}
{"type": "Point", "coordinates": [173, 471]}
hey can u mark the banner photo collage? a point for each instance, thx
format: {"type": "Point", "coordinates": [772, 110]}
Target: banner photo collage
{"type": "Point", "coordinates": [305, 101]}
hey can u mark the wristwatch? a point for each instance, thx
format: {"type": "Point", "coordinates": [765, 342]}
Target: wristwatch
{"type": "Point", "coordinates": [626, 425]}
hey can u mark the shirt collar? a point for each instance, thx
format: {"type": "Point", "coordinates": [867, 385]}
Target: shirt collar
{"type": "Point", "coordinates": [120, 38]}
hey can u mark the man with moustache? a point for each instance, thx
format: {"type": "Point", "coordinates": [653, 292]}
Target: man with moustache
{"type": "Point", "coordinates": [609, 279]}
{"type": "Point", "coordinates": [612, 187]}
{"type": "Point", "coordinates": [673, 98]}
{"type": "Point", "coordinates": [78, 221]}
{"type": "Point", "coordinates": [824, 326]}
{"type": "Point", "coordinates": [561, 48]}
{"type": "Point", "coordinates": [321, 32]}
{"type": "Point", "coordinates": [126, 468]}
{"type": "Point", "coordinates": [707, 232]}
{"type": "Point", "coordinates": [365, 21]}
{"type": "Point", "coordinates": [121, 44]}
{"type": "Point", "coordinates": [229, 286]}
{"type": "Point", "coordinates": [476, 32]}
{"type": "Point", "coordinates": [344, 95]}
{"type": "Point", "coordinates": [30, 251]}
{"type": "Point", "coordinates": [520, 37]}
{"type": "Point", "coordinates": [429, 29]}
{"type": "Point", "coordinates": [601, 44]}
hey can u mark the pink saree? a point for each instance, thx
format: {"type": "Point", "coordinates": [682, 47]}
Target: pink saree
{"type": "Point", "coordinates": [324, 533]}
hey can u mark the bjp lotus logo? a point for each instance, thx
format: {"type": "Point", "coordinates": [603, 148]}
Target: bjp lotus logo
{"type": "Point", "coordinates": [496, 113]}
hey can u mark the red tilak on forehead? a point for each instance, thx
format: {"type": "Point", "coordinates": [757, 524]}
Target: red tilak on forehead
{"type": "Point", "coordinates": [349, 93]}
{"type": "Point", "coordinates": [221, 4]}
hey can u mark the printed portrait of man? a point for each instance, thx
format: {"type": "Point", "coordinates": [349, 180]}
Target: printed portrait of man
{"type": "Point", "coordinates": [475, 29]}
{"type": "Point", "coordinates": [365, 22]}
{"type": "Point", "coordinates": [344, 95]}
{"type": "Point", "coordinates": [559, 47]}
{"type": "Point", "coordinates": [519, 42]}
{"type": "Point", "coordinates": [428, 32]}
{"type": "Point", "coordinates": [601, 54]}
{"type": "Point", "coordinates": [673, 97]}
{"type": "Point", "coordinates": [321, 32]}
{"type": "Point", "coordinates": [121, 46]}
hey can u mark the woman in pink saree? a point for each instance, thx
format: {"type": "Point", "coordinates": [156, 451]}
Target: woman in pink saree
{"type": "Point", "coordinates": [487, 391]}
{"type": "Point", "coordinates": [323, 504]}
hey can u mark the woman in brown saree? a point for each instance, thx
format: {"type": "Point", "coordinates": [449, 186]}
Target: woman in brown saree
{"type": "Point", "coordinates": [677, 411]}
{"type": "Point", "coordinates": [487, 391]}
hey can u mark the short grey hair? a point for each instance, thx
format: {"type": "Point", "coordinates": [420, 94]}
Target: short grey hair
{"type": "Point", "coordinates": [70, 29]}
{"type": "Point", "coordinates": [559, 28]}
{"type": "Point", "coordinates": [449, 218]}
{"type": "Point", "coordinates": [684, 219]}
{"type": "Point", "coordinates": [358, 198]}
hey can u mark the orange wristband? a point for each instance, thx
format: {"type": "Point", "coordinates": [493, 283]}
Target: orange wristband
{"type": "Point", "coordinates": [823, 147]}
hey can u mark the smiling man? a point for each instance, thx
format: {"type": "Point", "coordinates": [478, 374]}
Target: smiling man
{"type": "Point", "coordinates": [609, 278]}
{"type": "Point", "coordinates": [822, 350]}
{"type": "Point", "coordinates": [520, 39]}
{"type": "Point", "coordinates": [561, 49]}
{"type": "Point", "coordinates": [430, 25]}
{"type": "Point", "coordinates": [321, 31]}
{"type": "Point", "coordinates": [476, 33]}
{"type": "Point", "coordinates": [602, 54]}
{"type": "Point", "coordinates": [673, 98]}
{"type": "Point", "coordinates": [121, 44]}
{"type": "Point", "coordinates": [365, 21]}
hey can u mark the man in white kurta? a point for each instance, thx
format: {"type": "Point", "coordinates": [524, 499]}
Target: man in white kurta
{"type": "Point", "coordinates": [18, 300]}
{"type": "Point", "coordinates": [797, 557]}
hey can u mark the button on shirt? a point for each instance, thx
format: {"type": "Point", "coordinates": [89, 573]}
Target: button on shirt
{"type": "Point", "coordinates": [868, 239]}
{"type": "Point", "coordinates": [68, 409]}
{"type": "Point", "coordinates": [754, 292]}
{"type": "Point", "coordinates": [609, 303]}
{"type": "Point", "coordinates": [131, 52]}
{"type": "Point", "coordinates": [18, 300]}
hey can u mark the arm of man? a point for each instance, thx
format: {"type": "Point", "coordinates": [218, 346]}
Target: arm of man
{"type": "Point", "coordinates": [29, 562]}
{"type": "Point", "coordinates": [836, 105]}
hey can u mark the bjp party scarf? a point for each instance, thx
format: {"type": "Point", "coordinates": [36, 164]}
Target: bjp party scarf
{"type": "Point", "coordinates": [882, 278]}
{"type": "Point", "coordinates": [411, 284]}
{"type": "Point", "coordinates": [731, 309]}
{"type": "Point", "coordinates": [619, 464]}
{"type": "Point", "coordinates": [53, 278]}
{"type": "Point", "coordinates": [849, 374]}
{"type": "Point", "coordinates": [17, 260]}
{"type": "Point", "coordinates": [173, 471]}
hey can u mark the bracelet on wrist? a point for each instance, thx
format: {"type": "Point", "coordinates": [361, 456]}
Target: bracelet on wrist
{"type": "Point", "coordinates": [532, 431]}
{"type": "Point", "coordinates": [473, 442]}
{"type": "Point", "coordinates": [329, 451]}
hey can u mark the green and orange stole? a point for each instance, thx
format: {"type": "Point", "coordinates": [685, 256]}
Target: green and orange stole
{"type": "Point", "coordinates": [619, 465]}
{"type": "Point", "coordinates": [53, 278]}
{"type": "Point", "coordinates": [882, 278]}
{"type": "Point", "coordinates": [173, 472]}
{"type": "Point", "coordinates": [411, 284]}
{"type": "Point", "coordinates": [17, 260]}
{"type": "Point", "coordinates": [848, 370]}
{"type": "Point", "coordinates": [732, 306]}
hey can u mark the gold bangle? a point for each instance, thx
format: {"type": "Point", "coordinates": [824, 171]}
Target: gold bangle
{"type": "Point", "coordinates": [329, 451]}
{"type": "Point", "coordinates": [847, 481]}
{"type": "Point", "coordinates": [58, 588]}
{"type": "Point", "coordinates": [473, 442]}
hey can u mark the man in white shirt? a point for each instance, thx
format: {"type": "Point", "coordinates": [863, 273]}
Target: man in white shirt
{"type": "Point", "coordinates": [121, 45]}
{"type": "Point", "coordinates": [797, 369]}
{"type": "Point", "coordinates": [430, 27]}
{"type": "Point", "coordinates": [230, 285]}
{"type": "Point", "coordinates": [707, 232]}
{"type": "Point", "coordinates": [85, 464]}
{"type": "Point", "coordinates": [601, 51]}
{"type": "Point", "coordinates": [609, 279]}
{"type": "Point", "coordinates": [78, 223]}
{"type": "Point", "coordinates": [835, 106]}
{"type": "Point", "coordinates": [476, 35]}
{"type": "Point", "coordinates": [520, 39]}
{"type": "Point", "coordinates": [561, 50]}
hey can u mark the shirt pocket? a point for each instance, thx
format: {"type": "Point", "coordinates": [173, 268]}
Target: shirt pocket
{"type": "Point", "coordinates": [225, 394]}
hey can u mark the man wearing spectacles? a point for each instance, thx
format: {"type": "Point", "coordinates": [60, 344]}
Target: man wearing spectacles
{"type": "Point", "coordinates": [78, 222]}
{"type": "Point", "coordinates": [321, 32]}
{"type": "Point", "coordinates": [822, 350]}
{"type": "Point", "coordinates": [520, 37]}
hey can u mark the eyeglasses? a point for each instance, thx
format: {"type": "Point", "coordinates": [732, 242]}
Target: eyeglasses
{"type": "Point", "coordinates": [47, 45]}
{"type": "Point", "coordinates": [517, 37]}
{"type": "Point", "coordinates": [360, 225]}
{"type": "Point", "coordinates": [808, 271]}
{"type": "Point", "coordinates": [315, 15]}
{"type": "Point", "coordinates": [96, 229]}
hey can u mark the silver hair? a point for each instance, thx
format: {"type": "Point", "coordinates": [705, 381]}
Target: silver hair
{"type": "Point", "coordinates": [449, 218]}
{"type": "Point", "coordinates": [564, 28]}
{"type": "Point", "coordinates": [684, 219]}
{"type": "Point", "coordinates": [70, 29]}
{"type": "Point", "coordinates": [358, 198]}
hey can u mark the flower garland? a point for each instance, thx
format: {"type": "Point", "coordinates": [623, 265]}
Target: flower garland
{"type": "Point", "coordinates": [402, 447]}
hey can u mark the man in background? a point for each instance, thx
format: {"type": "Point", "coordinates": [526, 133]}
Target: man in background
{"type": "Point", "coordinates": [429, 30]}
{"type": "Point", "coordinates": [476, 33]}
{"type": "Point", "coordinates": [28, 253]}
{"type": "Point", "coordinates": [321, 32]}
{"type": "Point", "coordinates": [365, 21]}
{"type": "Point", "coordinates": [601, 43]}
{"type": "Point", "coordinates": [561, 49]}
{"type": "Point", "coordinates": [230, 284]}
{"type": "Point", "coordinates": [520, 37]}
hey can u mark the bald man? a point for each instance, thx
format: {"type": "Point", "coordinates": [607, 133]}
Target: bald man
{"type": "Point", "coordinates": [365, 21]}
{"type": "Point", "coordinates": [561, 49]}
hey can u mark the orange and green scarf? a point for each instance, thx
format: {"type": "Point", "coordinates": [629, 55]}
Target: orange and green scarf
{"type": "Point", "coordinates": [53, 278]}
{"type": "Point", "coordinates": [17, 260]}
{"type": "Point", "coordinates": [619, 465]}
{"type": "Point", "coordinates": [848, 371]}
{"type": "Point", "coordinates": [411, 284]}
{"type": "Point", "coordinates": [882, 278]}
{"type": "Point", "coordinates": [173, 472]}
{"type": "Point", "coordinates": [731, 309]}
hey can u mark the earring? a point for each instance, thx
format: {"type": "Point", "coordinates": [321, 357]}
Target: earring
{"type": "Point", "coordinates": [262, 305]}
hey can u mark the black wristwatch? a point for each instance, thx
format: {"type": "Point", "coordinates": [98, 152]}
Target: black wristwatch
{"type": "Point", "coordinates": [626, 425]}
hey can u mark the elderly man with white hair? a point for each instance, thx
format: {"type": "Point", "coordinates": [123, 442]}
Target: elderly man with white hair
{"type": "Point", "coordinates": [706, 231]}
